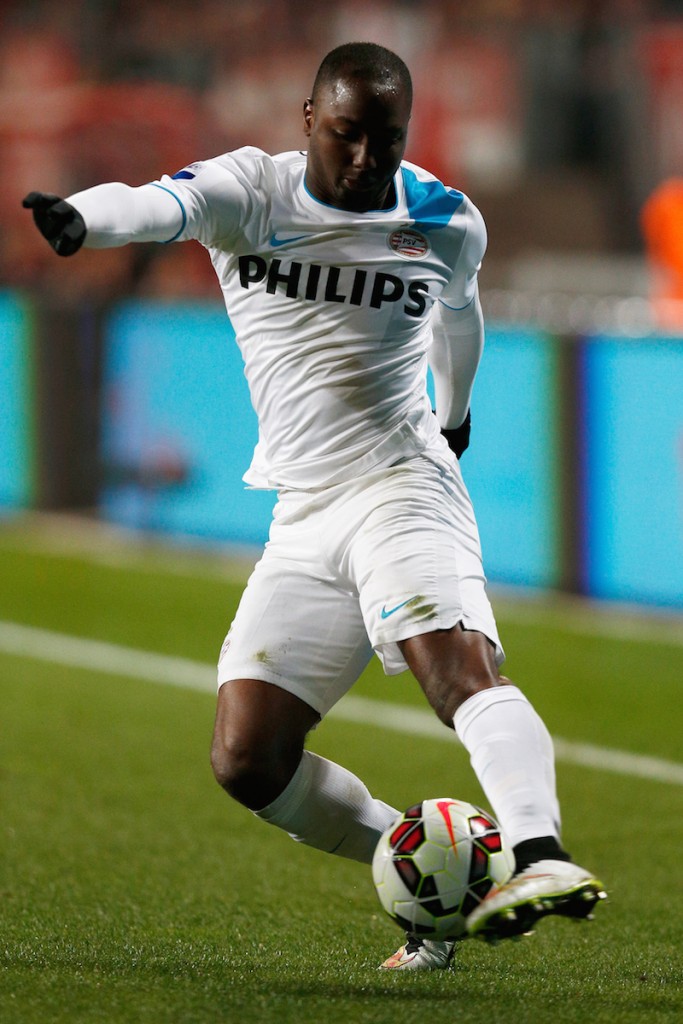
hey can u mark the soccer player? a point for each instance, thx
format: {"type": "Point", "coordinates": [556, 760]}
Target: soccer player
{"type": "Point", "coordinates": [345, 270]}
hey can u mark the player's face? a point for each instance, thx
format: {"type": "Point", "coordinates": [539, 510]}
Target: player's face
{"type": "Point", "coordinates": [357, 135]}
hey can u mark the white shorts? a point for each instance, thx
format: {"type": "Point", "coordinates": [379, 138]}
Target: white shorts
{"type": "Point", "coordinates": [356, 567]}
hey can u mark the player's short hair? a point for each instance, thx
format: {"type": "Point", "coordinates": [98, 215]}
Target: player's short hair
{"type": "Point", "coordinates": [367, 62]}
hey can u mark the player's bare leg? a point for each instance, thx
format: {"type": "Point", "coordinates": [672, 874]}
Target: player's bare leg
{"type": "Point", "coordinates": [452, 665]}
{"type": "Point", "coordinates": [258, 757]}
{"type": "Point", "coordinates": [258, 740]}
{"type": "Point", "coordinates": [512, 755]}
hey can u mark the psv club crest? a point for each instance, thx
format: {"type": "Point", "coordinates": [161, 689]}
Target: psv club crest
{"type": "Point", "coordinates": [408, 243]}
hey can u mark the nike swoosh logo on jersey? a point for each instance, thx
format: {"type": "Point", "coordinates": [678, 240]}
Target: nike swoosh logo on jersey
{"type": "Point", "coordinates": [275, 241]}
{"type": "Point", "coordinates": [386, 612]}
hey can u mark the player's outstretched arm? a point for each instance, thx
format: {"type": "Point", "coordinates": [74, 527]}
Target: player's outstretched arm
{"type": "Point", "coordinates": [58, 221]}
{"type": "Point", "coordinates": [107, 215]}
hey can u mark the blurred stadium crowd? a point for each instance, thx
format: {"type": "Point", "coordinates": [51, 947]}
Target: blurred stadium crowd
{"type": "Point", "coordinates": [559, 119]}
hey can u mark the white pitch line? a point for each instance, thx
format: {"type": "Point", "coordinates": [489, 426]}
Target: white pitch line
{"type": "Point", "coordinates": [421, 722]}
{"type": "Point", "coordinates": [113, 659]}
{"type": "Point", "coordinates": [98, 656]}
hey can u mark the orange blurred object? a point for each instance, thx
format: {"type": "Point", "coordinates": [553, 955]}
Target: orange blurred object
{"type": "Point", "coordinates": [662, 225]}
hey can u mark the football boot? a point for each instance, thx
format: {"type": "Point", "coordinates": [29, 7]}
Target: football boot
{"type": "Point", "coordinates": [420, 955]}
{"type": "Point", "coordinates": [546, 887]}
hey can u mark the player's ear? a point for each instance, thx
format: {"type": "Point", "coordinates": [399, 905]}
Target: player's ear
{"type": "Point", "coordinates": [308, 116]}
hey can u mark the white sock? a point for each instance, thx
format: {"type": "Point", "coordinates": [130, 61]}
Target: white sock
{"type": "Point", "coordinates": [512, 755]}
{"type": "Point", "coordinates": [327, 807]}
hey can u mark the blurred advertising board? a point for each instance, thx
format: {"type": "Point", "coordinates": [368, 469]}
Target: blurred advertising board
{"type": "Point", "coordinates": [178, 428]}
{"type": "Point", "coordinates": [511, 468]}
{"type": "Point", "coordinates": [17, 485]}
{"type": "Point", "coordinates": [633, 469]}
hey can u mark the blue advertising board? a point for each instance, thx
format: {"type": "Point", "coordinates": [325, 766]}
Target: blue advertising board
{"type": "Point", "coordinates": [16, 422]}
{"type": "Point", "coordinates": [633, 464]}
{"type": "Point", "coordinates": [178, 427]}
{"type": "Point", "coordinates": [511, 466]}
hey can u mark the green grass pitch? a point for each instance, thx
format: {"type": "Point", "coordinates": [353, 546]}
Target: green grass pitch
{"type": "Point", "coordinates": [132, 891]}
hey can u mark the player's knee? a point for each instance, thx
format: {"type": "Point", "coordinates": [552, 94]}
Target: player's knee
{"type": "Point", "coordinates": [253, 777]}
{"type": "Point", "coordinates": [235, 768]}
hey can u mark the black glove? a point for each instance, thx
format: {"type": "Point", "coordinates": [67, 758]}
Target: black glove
{"type": "Point", "coordinates": [58, 221]}
{"type": "Point", "coordinates": [459, 438]}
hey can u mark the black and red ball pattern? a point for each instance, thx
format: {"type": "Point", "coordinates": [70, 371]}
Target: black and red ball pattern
{"type": "Point", "coordinates": [407, 838]}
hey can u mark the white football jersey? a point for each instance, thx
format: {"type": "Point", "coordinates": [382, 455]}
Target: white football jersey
{"type": "Point", "coordinates": [331, 308]}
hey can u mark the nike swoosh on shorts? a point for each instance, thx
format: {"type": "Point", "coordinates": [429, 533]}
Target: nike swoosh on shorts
{"type": "Point", "coordinates": [386, 612]}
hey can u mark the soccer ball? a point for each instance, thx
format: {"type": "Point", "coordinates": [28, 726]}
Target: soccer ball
{"type": "Point", "coordinates": [436, 863]}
